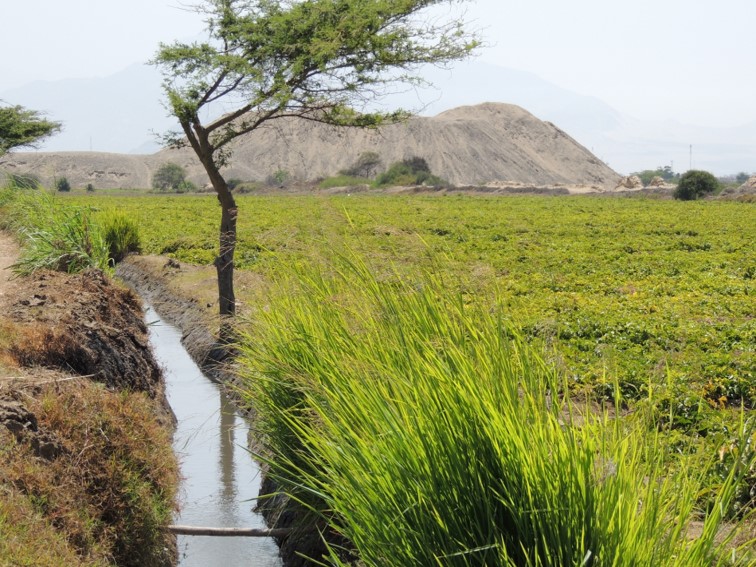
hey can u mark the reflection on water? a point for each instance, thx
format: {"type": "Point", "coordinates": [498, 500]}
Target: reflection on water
{"type": "Point", "coordinates": [221, 480]}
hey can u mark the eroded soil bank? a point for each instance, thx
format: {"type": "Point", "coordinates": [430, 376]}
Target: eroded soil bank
{"type": "Point", "coordinates": [184, 297]}
{"type": "Point", "coordinates": [87, 471]}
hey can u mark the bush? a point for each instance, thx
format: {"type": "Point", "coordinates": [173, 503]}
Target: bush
{"type": "Point", "coordinates": [695, 184]}
{"type": "Point", "coordinates": [410, 171]}
{"type": "Point", "coordinates": [121, 236]}
{"type": "Point", "coordinates": [63, 185]}
{"type": "Point", "coordinates": [90, 188]}
{"type": "Point", "coordinates": [278, 178]}
{"type": "Point", "coordinates": [169, 177]}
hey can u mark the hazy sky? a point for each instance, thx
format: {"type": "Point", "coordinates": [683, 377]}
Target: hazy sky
{"type": "Point", "coordinates": [688, 60]}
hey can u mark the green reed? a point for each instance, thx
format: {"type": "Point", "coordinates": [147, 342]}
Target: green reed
{"type": "Point", "coordinates": [417, 424]}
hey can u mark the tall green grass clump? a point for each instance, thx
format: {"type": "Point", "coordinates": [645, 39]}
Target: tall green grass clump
{"type": "Point", "coordinates": [415, 423]}
{"type": "Point", "coordinates": [121, 235]}
{"type": "Point", "coordinates": [53, 236]}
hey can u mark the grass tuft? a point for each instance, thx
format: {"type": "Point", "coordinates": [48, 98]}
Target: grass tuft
{"type": "Point", "coordinates": [54, 236]}
{"type": "Point", "coordinates": [416, 424]}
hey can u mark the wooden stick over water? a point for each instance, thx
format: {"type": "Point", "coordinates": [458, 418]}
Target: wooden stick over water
{"type": "Point", "coordinates": [227, 532]}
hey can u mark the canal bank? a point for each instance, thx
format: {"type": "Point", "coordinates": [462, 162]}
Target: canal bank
{"type": "Point", "coordinates": [87, 471]}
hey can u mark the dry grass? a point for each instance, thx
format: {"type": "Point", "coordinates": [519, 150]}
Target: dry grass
{"type": "Point", "coordinates": [107, 491]}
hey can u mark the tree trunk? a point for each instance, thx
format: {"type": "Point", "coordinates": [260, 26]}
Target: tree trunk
{"type": "Point", "coordinates": [224, 262]}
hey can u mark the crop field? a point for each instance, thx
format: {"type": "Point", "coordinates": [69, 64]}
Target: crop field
{"type": "Point", "coordinates": [641, 293]}
{"type": "Point", "coordinates": [466, 380]}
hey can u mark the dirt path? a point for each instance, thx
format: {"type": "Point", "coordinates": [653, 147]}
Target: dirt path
{"type": "Point", "coordinates": [8, 255]}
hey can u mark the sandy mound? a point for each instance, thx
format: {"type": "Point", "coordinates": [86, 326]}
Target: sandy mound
{"type": "Point", "coordinates": [473, 145]}
{"type": "Point", "coordinates": [749, 186]}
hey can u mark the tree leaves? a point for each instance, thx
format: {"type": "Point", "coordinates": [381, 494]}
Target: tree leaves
{"type": "Point", "coordinates": [20, 127]}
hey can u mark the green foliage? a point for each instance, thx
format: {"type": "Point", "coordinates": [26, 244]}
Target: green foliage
{"type": "Point", "coordinates": [247, 187]}
{"type": "Point", "coordinates": [410, 171]}
{"type": "Point", "coordinates": [665, 173]}
{"type": "Point", "coordinates": [411, 419]}
{"type": "Point", "coordinates": [742, 177]}
{"type": "Point", "coordinates": [62, 185]}
{"type": "Point", "coordinates": [634, 291]}
{"type": "Point", "coordinates": [90, 188]}
{"type": "Point", "coordinates": [278, 178]}
{"type": "Point", "coordinates": [23, 181]}
{"type": "Point", "coordinates": [54, 236]}
{"type": "Point", "coordinates": [20, 127]}
{"type": "Point", "coordinates": [169, 177]}
{"type": "Point", "coordinates": [695, 184]}
{"type": "Point", "coordinates": [121, 235]}
{"type": "Point", "coordinates": [314, 59]}
{"type": "Point", "coordinates": [366, 166]}
{"type": "Point", "coordinates": [318, 60]}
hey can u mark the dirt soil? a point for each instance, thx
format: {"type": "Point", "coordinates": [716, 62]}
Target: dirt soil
{"type": "Point", "coordinates": [8, 255]}
{"type": "Point", "coordinates": [60, 327]}
{"type": "Point", "coordinates": [62, 331]}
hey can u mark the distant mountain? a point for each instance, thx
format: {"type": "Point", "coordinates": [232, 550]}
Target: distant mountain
{"type": "Point", "coordinates": [118, 114]}
{"type": "Point", "coordinates": [624, 143]}
{"type": "Point", "coordinates": [472, 145]}
{"type": "Point", "coordinates": [110, 114]}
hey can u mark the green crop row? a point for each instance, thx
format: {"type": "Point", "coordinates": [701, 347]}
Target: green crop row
{"type": "Point", "coordinates": [641, 292]}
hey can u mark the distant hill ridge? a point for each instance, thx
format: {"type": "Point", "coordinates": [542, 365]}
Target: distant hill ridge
{"type": "Point", "coordinates": [490, 143]}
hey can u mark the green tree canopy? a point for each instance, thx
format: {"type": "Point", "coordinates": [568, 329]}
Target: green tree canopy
{"type": "Point", "coordinates": [62, 184]}
{"type": "Point", "coordinates": [321, 60]}
{"type": "Point", "coordinates": [22, 128]}
{"type": "Point", "coordinates": [169, 177]}
{"type": "Point", "coordinates": [694, 184]}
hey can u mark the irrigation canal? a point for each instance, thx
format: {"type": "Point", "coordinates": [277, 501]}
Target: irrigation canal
{"type": "Point", "coordinates": [220, 478]}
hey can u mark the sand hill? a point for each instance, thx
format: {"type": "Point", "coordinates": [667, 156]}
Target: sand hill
{"type": "Point", "coordinates": [476, 145]}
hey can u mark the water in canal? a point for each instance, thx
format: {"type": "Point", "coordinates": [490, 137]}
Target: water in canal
{"type": "Point", "coordinates": [221, 480]}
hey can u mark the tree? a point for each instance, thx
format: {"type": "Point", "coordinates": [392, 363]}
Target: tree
{"type": "Point", "coordinates": [366, 166]}
{"type": "Point", "coordinates": [320, 60]}
{"type": "Point", "coordinates": [694, 184]}
{"type": "Point", "coordinates": [169, 177]}
{"type": "Point", "coordinates": [62, 185]}
{"type": "Point", "coordinates": [22, 128]}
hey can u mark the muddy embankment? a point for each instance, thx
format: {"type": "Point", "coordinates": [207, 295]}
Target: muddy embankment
{"type": "Point", "coordinates": [162, 284]}
{"type": "Point", "coordinates": [87, 469]}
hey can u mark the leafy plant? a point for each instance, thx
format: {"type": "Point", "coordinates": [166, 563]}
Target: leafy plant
{"type": "Point", "coordinates": [62, 185]}
{"type": "Point", "coordinates": [55, 237]}
{"type": "Point", "coordinates": [169, 177]}
{"type": "Point", "coordinates": [21, 127]}
{"type": "Point", "coordinates": [695, 184]}
{"type": "Point", "coordinates": [121, 235]}
{"type": "Point", "coordinates": [343, 181]}
{"type": "Point", "coordinates": [410, 171]}
{"type": "Point", "coordinates": [23, 181]}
